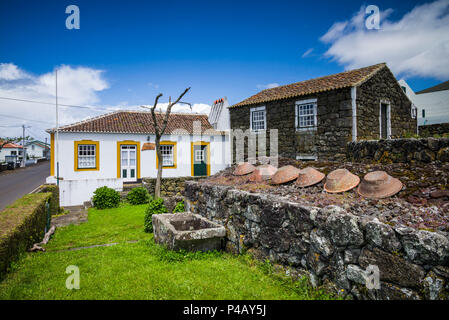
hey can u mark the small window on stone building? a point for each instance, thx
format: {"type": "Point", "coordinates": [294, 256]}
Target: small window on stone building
{"type": "Point", "coordinates": [257, 119]}
{"type": "Point", "coordinates": [414, 111]}
{"type": "Point", "coordinates": [306, 114]}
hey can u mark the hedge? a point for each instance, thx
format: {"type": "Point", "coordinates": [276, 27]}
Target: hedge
{"type": "Point", "coordinates": [21, 225]}
{"type": "Point", "coordinates": [54, 202]}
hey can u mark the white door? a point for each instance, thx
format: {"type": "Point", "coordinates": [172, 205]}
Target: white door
{"type": "Point", "coordinates": [128, 163]}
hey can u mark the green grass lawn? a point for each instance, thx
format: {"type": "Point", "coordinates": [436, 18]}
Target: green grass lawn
{"type": "Point", "coordinates": [141, 270]}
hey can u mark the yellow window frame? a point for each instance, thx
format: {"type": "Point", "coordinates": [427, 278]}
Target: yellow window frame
{"type": "Point", "coordinates": [175, 154]}
{"type": "Point", "coordinates": [200, 143]}
{"type": "Point", "coordinates": [119, 158]}
{"type": "Point", "coordinates": [97, 154]}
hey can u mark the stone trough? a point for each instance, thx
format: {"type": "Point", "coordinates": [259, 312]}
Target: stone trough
{"type": "Point", "coordinates": [188, 231]}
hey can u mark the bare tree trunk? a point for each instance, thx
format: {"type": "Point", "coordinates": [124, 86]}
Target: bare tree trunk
{"type": "Point", "coordinates": [159, 131]}
{"type": "Point", "coordinates": [157, 188]}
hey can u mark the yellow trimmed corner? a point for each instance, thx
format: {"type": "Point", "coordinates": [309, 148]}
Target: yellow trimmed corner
{"type": "Point", "coordinates": [200, 143]}
{"type": "Point", "coordinates": [52, 154]}
{"type": "Point", "coordinates": [97, 155]}
{"type": "Point", "coordinates": [119, 164]}
{"type": "Point", "coordinates": [175, 155]}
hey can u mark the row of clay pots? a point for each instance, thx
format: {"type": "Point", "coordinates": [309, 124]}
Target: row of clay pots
{"type": "Point", "coordinates": [377, 184]}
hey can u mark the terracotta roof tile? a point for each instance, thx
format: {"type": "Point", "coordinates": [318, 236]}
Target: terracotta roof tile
{"type": "Point", "coordinates": [335, 81]}
{"type": "Point", "coordinates": [141, 122]}
{"type": "Point", "coordinates": [12, 145]}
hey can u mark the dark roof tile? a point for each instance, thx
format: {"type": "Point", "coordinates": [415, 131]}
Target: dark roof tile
{"type": "Point", "coordinates": [335, 81]}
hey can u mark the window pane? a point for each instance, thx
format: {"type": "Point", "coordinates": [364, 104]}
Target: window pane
{"type": "Point", "coordinates": [306, 115]}
{"type": "Point", "coordinates": [86, 156]}
{"type": "Point", "coordinates": [167, 155]}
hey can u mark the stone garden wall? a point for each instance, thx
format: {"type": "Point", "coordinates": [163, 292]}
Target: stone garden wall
{"type": "Point", "coordinates": [330, 243]}
{"type": "Point", "coordinates": [170, 187]}
{"type": "Point", "coordinates": [434, 129]}
{"type": "Point", "coordinates": [399, 150]}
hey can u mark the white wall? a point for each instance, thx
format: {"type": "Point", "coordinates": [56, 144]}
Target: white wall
{"type": "Point", "coordinates": [435, 104]}
{"type": "Point", "coordinates": [78, 186]}
{"type": "Point", "coordinates": [38, 151]}
{"type": "Point", "coordinates": [76, 192]}
{"type": "Point", "coordinates": [7, 152]}
{"type": "Point", "coordinates": [219, 116]}
{"type": "Point", "coordinates": [220, 155]}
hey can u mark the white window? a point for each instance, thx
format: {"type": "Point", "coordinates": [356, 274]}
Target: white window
{"type": "Point", "coordinates": [306, 114]}
{"type": "Point", "coordinates": [257, 119]}
{"type": "Point", "coordinates": [87, 155]}
{"type": "Point", "coordinates": [167, 155]}
{"type": "Point", "coordinates": [414, 111]}
{"type": "Point", "coordinates": [199, 155]}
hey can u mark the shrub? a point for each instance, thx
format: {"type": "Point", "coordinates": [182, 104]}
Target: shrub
{"type": "Point", "coordinates": [179, 207]}
{"type": "Point", "coordinates": [156, 206]}
{"type": "Point", "coordinates": [137, 196]}
{"type": "Point", "coordinates": [105, 197]}
{"type": "Point", "coordinates": [21, 225]}
{"type": "Point", "coordinates": [54, 202]}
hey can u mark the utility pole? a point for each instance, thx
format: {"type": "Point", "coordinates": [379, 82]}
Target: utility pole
{"type": "Point", "coordinates": [57, 130]}
{"type": "Point", "coordinates": [23, 145]}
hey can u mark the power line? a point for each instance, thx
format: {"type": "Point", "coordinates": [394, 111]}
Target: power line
{"type": "Point", "coordinates": [8, 116]}
{"type": "Point", "coordinates": [49, 103]}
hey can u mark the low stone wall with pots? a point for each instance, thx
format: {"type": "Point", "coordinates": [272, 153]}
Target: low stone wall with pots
{"type": "Point", "coordinates": [433, 129]}
{"type": "Point", "coordinates": [399, 150]}
{"type": "Point", "coordinates": [330, 243]}
{"type": "Point", "coordinates": [169, 186]}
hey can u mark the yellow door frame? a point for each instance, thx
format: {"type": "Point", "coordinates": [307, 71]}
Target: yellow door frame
{"type": "Point", "coordinates": [119, 158]}
{"type": "Point", "coordinates": [200, 143]}
{"type": "Point", "coordinates": [52, 154]}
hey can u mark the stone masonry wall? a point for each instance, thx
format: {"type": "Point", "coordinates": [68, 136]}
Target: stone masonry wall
{"type": "Point", "coordinates": [383, 86]}
{"type": "Point", "coordinates": [334, 116]}
{"type": "Point", "coordinates": [432, 129]}
{"type": "Point", "coordinates": [399, 150]}
{"type": "Point", "coordinates": [169, 186]}
{"type": "Point", "coordinates": [329, 243]}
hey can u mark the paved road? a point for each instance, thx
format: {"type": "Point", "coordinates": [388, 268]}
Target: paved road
{"type": "Point", "coordinates": [16, 183]}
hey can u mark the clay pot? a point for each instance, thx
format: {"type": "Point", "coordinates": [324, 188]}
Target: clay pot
{"type": "Point", "coordinates": [378, 185]}
{"type": "Point", "coordinates": [308, 177]}
{"type": "Point", "coordinates": [340, 180]}
{"type": "Point", "coordinates": [244, 168]}
{"type": "Point", "coordinates": [285, 174]}
{"type": "Point", "coordinates": [262, 173]}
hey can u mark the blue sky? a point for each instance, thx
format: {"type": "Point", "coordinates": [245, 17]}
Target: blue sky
{"type": "Point", "coordinates": [219, 48]}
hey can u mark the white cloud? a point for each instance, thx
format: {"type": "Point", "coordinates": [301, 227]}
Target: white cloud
{"type": "Point", "coordinates": [267, 86]}
{"type": "Point", "coordinates": [307, 53]}
{"type": "Point", "coordinates": [78, 86]}
{"type": "Point", "coordinates": [9, 71]}
{"type": "Point", "coordinates": [415, 45]}
{"type": "Point", "coordinates": [182, 108]}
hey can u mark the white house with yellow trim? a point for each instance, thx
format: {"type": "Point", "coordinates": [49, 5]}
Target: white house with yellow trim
{"type": "Point", "coordinates": [119, 147]}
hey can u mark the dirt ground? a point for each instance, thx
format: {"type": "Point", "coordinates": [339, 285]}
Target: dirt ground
{"type": "Point", "coordinates": [422, 203]}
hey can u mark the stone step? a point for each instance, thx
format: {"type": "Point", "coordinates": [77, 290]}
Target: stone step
{"type": "Point", "coordinates": [130, 186]}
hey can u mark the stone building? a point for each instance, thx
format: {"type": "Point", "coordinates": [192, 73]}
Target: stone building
{"type": "Point", "coordinates": [317, 118]}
